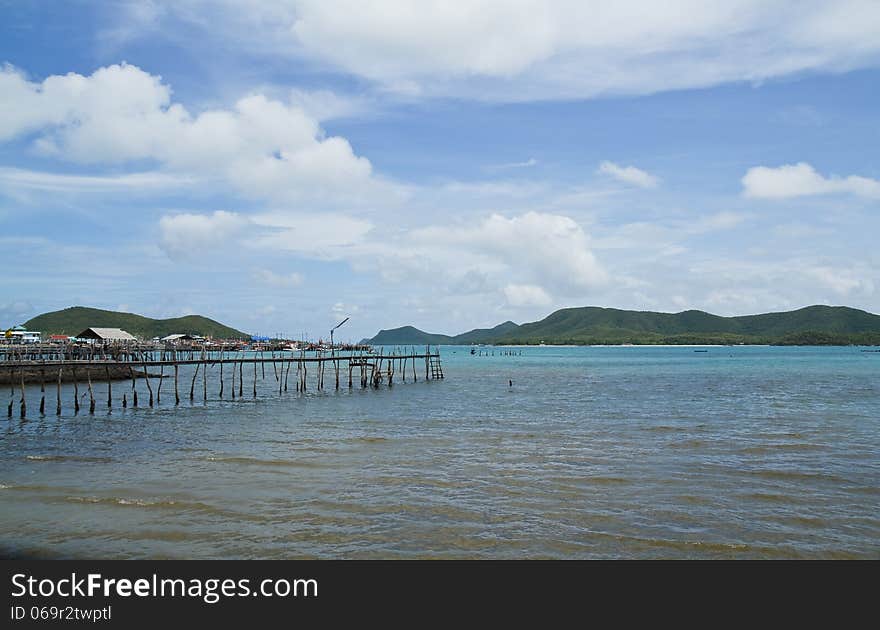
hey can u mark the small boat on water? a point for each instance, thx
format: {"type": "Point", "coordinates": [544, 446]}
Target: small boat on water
{"type": "Point", "coordinates": [701, 350]}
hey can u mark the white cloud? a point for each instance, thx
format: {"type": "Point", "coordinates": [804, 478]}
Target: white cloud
{"type": "Point", "coordinates": [629, 175]}
{"type": "Point", "coordinates": [801, 180]}
{"type": "Point", "coordinates": [547, 247]}
{"type": "Point", "coordinates": [526, 295]}
{"type": "Point", "coordinates": [16, 178]}
{"type": "Point", "coordinates": [286, 280]}
{"type": "Point", "coordinates": [184, 235]}
{"type": "Point", "coordinates": [120, 114]}
{"type": "Point", "coordinates": [539, 49]}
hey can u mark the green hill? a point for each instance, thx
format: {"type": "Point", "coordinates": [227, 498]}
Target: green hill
{"type": "Point", "coordinates": [75, 319]}
{"type": "Point", "coordinates": [813, 325]}
{"type": "Point", "coordinates": [407, 335]}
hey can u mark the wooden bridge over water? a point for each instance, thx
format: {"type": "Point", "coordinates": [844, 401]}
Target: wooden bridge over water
{"type": "Point", "coordinates": [239, 370]}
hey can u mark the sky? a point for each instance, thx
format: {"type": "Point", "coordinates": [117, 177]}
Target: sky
{"type": "Point", "coordinates": [281, 165]}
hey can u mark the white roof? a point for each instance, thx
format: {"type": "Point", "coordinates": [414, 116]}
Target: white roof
{"type": "Point", "coordinates": [173, 337]}
{"type": "Point", "coordinates": [115, 334]}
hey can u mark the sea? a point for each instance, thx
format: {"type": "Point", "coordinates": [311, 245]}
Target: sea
{"type": "Point", "coordinates": [519, 452]}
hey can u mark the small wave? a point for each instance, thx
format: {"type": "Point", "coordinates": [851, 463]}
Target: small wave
{"type": "Point", "coordinates": [158, 503]}
{"type": "Point", "coordinates": [795, 475]}
{"type": "Point", "coordinates": [255, 461]}
{"type": "Point", "coordinates": [773, 448]}
{"type": "Point", "coordinates": [602, 481]}
{"type": "Point", "coordinates": [68, 458]}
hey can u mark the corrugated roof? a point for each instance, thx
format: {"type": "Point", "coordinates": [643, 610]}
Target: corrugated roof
{"type": "Point", "coordinates": [111, 334]}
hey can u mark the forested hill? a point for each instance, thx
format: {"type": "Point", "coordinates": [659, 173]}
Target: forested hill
{"type": "Point", "coordinates": [813, 325]}
{"type": "Point", "coordinates": [75, 319]}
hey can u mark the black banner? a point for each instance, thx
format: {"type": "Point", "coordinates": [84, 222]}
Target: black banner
{"type": "Point", "coordinates": [127, 593]}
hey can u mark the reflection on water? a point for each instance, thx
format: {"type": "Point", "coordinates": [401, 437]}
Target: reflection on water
{"type": "Point", "coordinates": [594, 452]}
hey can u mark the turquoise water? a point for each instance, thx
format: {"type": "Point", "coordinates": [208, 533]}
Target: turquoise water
{"type": "Point", "coordinates": [738, 452]}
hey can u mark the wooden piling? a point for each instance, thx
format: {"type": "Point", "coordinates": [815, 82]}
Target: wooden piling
{"type": "Point", "coordinates": [23, 401]}
{"type": "Point", "coordinates": [58, 394]}
{"type": "Point", "coordinates": [91, 394]}
{"type": "Point", "coordinates": [42, 392]}
{"type": "Point", "coordinates": [75, 393]}
{"type": "Point", "coordinates": [147, 379]}
{"type": "Point", "coordinates": [176, 394]}
{"type": "Point", "coordinates": [192, 386]}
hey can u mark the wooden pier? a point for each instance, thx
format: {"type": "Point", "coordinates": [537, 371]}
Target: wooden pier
{"type": "Point", "coordinates": [94, 367]}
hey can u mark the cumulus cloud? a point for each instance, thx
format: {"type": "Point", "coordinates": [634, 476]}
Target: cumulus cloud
{"type": "Point", "coordinates": [629, 175]}
{"type": "Point", "coordinates": [539, 49]}
{"type": "Point", "coordinates": [802, 180]}
{"type": "Point", "coordinates": [262, 148]}
{"type": "Point", "coordinates": [182, 235]}
{"type": "Point", "coordinates": [549, 247]}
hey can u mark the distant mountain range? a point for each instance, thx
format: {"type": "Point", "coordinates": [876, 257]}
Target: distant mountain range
{"type": "Point", "coordinates": [589, 325]}
{"type": "Point", "coordinates": [75, 319]}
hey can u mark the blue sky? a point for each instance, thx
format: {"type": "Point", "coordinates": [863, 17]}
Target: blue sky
{"type": "Point", "coordinates": [280, 165]}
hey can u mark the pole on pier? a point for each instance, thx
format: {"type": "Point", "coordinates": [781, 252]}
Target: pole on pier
{"type": "Point", "coordinates": [109, 388]}
{"type": "Point", "coordinates": [75, 393]}
{"type": "Point", "coordinates": [161, 378]}
{"type": "Point", "coordinates": [147, 379]}
{"type": "Point", "coordinates": [134, 393]}
{"type": "Point", "coordinates": [58, 394]}
{"type": "Point", "coordinates": [176, 394]}
{"type": "Point", "coordinates": [23, 401]}
{"type": "Point", "coordinates": [91, 394]}
{"type": "Point", "coordinates": [42, 392]}
{"type": "Point", "coordinates": [192, 385]}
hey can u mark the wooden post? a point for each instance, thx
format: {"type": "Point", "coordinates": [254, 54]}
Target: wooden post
{"type": "Point", "coordinates": [134, 394]}
{"type": "Point", "coordinates": [91, 395]}
{"type": "Point", "coordinates": [58, 392]}
{"type": "Point", "coordinates": [192, 386]}
{"type": "Point", "coordinates": [147, 379]}
{"type": "Point", "coordinates": [161, 378]}
{"type": "Point", "coordinates": [23, 401]}
{"type": "Point", "coordinates": [75, 393]}
{"type": "Point", "coordinates": [205, 381]}
{"type": "Point", "coordinates": [233, 379]}
{"type": "Point", "coordinates": [240, 379]}
{"type": "Point", "coordinates": [221, 375]}
{"type": "Point", "coordinates": [176, 394]}
{"type": "Point", "coordinates": [255, 375]}
{"type": "Point", "coordinates": [42, 392]}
